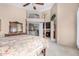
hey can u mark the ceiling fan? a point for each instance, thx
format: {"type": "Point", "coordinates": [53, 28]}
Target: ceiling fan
{"type": "Point", "coordinates": [34, 7]}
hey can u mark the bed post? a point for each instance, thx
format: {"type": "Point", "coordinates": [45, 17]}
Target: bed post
{"type": "Point", "coordinates": [44, 52]}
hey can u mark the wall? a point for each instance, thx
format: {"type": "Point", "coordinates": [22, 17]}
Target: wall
{"type": "Point", "coordinates": [32, 12]}
{"type": "Point", "coordinates": [66, 24]}
{"type": "Point", "coordinates": [46, 15]}
{"type": "Point", "coordinates": [11, 13]}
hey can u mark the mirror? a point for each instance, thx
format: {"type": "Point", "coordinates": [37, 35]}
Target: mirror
{"type": "Point", "coordinates": [15, 27]}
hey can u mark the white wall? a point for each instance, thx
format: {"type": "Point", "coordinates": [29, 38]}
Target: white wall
{"type": "Point", "coordinates": [46, 15]}
{"type": "Point", "coordinates": [11, 13]}
{"type": "Point", "coordinates": [66, 17]}
{"type": "Point", "coordinates": [66, 24]}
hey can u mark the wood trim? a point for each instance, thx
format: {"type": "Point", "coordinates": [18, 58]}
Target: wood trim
{"type": "Point", "coordinates": [6, 35]}
{"type": "Point", "coordinates": [15, 24]}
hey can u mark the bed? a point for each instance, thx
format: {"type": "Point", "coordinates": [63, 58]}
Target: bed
{"type": "Point", "coordinates": [22, 45]}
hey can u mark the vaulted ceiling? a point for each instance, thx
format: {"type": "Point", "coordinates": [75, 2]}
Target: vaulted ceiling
{"type": "Point", "coordinates": [29, 8]}
{"type": "Point", "coordinates": [39, 8]}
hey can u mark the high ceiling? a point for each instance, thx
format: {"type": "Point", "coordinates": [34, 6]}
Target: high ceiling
{"type": "Point", "coordinates": [39, 8]}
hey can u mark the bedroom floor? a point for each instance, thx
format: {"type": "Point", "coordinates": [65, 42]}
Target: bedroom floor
{"type": "Point", "coordinates": [57, 50]}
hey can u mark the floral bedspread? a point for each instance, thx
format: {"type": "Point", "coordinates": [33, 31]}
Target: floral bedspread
{"type": "Point", "coordinates": [22, 45]}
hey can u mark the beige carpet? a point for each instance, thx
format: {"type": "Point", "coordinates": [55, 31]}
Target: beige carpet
{"type": "Point", "coordinates": [57, 50]}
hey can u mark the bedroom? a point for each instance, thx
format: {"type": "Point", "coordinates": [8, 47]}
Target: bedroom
{"type": "Point", "coordinates": [39, 21]}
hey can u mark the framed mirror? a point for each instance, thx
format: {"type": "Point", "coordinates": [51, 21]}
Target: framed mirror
{"type": "Point", "coordinates": [15, 27]}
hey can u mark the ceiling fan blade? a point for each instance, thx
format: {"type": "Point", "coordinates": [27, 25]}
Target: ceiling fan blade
{"type": "Point", "coordinates": [26, 4]}
{"type": "Point", "coordinates": [40, 3]}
